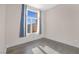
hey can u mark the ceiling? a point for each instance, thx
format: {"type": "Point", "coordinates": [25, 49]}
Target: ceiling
{"type": "Point", "coordinates": [43, 6]}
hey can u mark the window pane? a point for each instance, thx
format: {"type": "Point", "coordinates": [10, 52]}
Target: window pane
{"type": "Point", "coordinates": [32, 14]}
{"type": "Point", "coordinates": [29, 28]}
{"type": "Point", "coordinates": [34, 25]}
{"type": "Point", "coordinates": [28, 21]}
{"type": "Point", "coordinates": [29, 25]}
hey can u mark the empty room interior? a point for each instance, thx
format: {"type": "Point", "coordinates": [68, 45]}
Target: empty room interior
{"type": "Point", "coordinates": [39, 28]}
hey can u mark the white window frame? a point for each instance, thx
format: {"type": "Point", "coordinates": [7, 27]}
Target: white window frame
{"type": "Point", "coordinates": [38, 21]}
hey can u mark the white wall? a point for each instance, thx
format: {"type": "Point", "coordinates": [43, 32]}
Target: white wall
{"type": "Point", "coordinates": [62, 24]}
{"type": "Point", "coordinates": [2, 29]}
{"type": "Point", "coordinates": [13, 27]}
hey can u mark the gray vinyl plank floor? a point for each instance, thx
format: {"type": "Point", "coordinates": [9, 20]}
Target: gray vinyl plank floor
{"type": "Point", "coordinates": [26, 48]}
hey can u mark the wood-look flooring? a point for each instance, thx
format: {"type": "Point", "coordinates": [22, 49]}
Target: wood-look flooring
{"type": "Point", "coordinates": [26, 48]}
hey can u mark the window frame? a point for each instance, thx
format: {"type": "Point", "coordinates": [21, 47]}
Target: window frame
{"type": "Point", "coordinates": [38, 20]}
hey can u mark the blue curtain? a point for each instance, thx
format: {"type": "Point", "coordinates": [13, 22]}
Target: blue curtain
{"type": "Point", "coordinates": [22, 33]}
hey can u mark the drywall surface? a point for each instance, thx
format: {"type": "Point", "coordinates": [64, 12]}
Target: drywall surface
{"type": "Point", "coordinates": [62, 24]}
{"type": "Point", "coordinates": [13, 27]}
{"type": "Point", "coordinates": [2, 29]}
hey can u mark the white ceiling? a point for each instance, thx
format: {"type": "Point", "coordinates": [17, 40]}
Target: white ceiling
{"type": "Point", "coordinates": [43, 6]}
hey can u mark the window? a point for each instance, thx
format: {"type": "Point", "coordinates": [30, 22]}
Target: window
{"type": "Point", "coordinates": [32, 20]}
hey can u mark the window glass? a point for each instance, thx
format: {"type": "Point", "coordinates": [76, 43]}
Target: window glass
{"type": "Point", "coordinates": [29, 28]}
{"type": "Point", "coordinates": [28, 20]}
{"type": "Point", "coordinates": [32, 14]}
{"type": "Point", "coordinates": [28, 25]}
{"type": "Point", "coordinates": [34, 25]}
